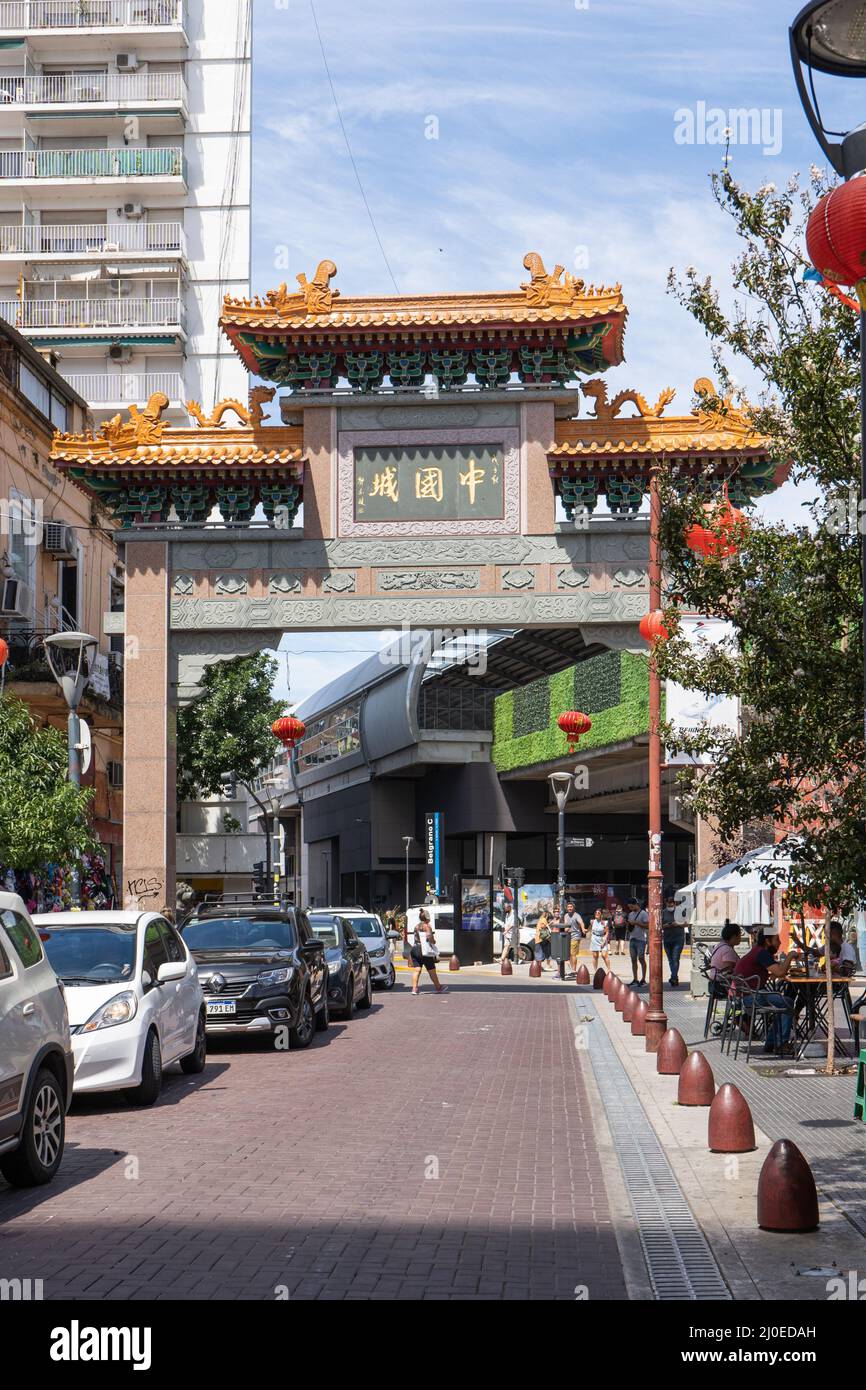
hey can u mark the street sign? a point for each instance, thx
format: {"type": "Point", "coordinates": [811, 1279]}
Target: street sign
{"type": "Point", "coordinates": [434, 844]}
{"type": "Point", "coordinates": [579, 842]}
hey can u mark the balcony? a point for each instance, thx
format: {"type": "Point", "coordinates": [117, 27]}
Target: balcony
{"type": "Point", "coordinates": [112, 239]}
{"type": "Point", "coordinates": [29, 675]}
{"type": "Point", "coordinates": [115, 390]}
{"type": "Point", "coordinates": [26, 17]}
{"type": "Point", "coordinates": [124, 165]}
{"type": "Point", "coordinates": [119, 313]}
{"type": "Point", "coordinates": [161, 90]}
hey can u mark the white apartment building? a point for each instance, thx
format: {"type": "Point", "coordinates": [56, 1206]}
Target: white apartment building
{"type": "Point", "coordinates": [125, 191]}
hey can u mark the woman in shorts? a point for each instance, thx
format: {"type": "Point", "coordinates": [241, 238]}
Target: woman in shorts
{"type": "Point", "coordinates": [424, 953]}
{"type": "Point", "coordinates": [599, 939]}
{"type": "Point", "coordinates": [620, 929]}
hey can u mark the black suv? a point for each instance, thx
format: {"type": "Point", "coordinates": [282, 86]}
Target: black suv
{"type": "Point", "coordinates": [261, 969]}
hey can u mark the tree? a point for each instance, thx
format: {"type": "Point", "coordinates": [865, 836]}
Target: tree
{"type": "Point", "coordinates": [44, 819]}
{"type": "Point", "coordinates": [228, 727]}
{"type": "Point", "coordinates": [792, 594]}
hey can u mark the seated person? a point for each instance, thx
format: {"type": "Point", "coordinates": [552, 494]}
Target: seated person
{"type": "Point", "coordinates": [759, 968]}
{"type": "Point", "coordinates": [843, 956]}
{"type": "Point", "coordinates": [725, 956]}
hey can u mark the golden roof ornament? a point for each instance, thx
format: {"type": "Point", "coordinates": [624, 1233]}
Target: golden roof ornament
{"type": "Point", "coordinates": [544, 289]}
{"type": "Point", "coordinates": [252, 416]}
{"type": "Point", "coordinates": [609, 410]}
{"type": "Point", "coordinates": [143, 426]}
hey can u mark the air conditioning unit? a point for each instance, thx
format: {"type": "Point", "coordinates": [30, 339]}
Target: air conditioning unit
{"type": "Point", "coordinates": [60, 540]}
{"type": "Point", "coordinates": [17, 599]}
{"type": "Point", "coordinates": [120, 288]}
{"type": "Point", "coordinates": [127, 62]}
{"type": "Point", "coordinates": [133, 212]}
{"type": "Point", "coordinates": [118, 353]}
{"type": "Point", "coordinates": [115, 776]}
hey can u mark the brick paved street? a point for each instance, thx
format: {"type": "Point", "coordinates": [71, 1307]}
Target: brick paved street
{"type": "Point", "coordinates": [305, 1172]}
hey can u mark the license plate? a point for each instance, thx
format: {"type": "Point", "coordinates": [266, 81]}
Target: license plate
{"type": "Point", "coordinates": [220, 1006]}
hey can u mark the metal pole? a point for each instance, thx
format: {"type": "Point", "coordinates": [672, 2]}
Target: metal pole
{"type": "Point", "coordinates": [407, 881]}
{"type": "Point", "coordinates": [861, 514]}
{"type": "Point", "coordinates": [656, 1019]}
{"type": "Point", "coordinates": [561, 884]}
{"type": "Point", "coordinates": [74, 753]}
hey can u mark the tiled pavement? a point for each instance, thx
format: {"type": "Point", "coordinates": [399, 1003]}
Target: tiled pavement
{"type": "Point", "coordinates": [313, 1175]}
{"type": "Point", "coordinates": [816, 1112]}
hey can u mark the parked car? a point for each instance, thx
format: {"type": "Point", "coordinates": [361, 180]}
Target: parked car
{"type": "Point", "coordinates": [135, 1003]}
{"type": "Point", "coordinates": [36, 1062]}
{"type": "Point", "coordinates": [350, 978]}
{"type": "Point", "coordinates": [261, 968]}
{"type": "Point", "coordinates": [370, 928]}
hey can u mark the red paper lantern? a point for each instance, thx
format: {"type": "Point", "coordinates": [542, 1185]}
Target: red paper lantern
{"type": "Point", "coordinates": [574, 725]}
{"type": "Point", "coordinates": [4, 652]}
{"type": "Point", "coordinates": [716, 541]}
{"type": "Point", "coordinates": [652, 627]}
{"type": "Point", "coordinates": [289, 731]}
{"type": "Point", "coordinates": [836, 236]}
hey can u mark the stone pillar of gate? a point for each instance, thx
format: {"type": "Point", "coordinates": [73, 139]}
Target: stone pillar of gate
{"type": "Point", "coordinates": [150, 799]}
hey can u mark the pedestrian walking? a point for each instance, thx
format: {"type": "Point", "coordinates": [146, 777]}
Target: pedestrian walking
{"type": "Point", "coordinates": [673, 938]}
{"type": "Point", "coordinates": [423, 952]}
{"type": "Point", "coordinates": [599, 939]}
{"type": "Point", "coordinates": [638, 931]}
{"type": "Point", "coordinates": [542, 939]}
{"type": "Point", "coordinates": [620, 929]}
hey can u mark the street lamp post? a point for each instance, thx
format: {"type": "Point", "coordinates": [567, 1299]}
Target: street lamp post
{"type": "Point", "coordinates": [656, 1019]}
{"type": "Point", "coordinates": [561, 784]}
{"type": "Point", "coordinates": [69, 656]}
{"type": "Point", "coordinates": [829, 36]}
{"type": "Point", "coordinates": [407, 841]}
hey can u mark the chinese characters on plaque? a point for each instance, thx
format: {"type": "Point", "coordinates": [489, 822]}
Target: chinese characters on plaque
{"type": "Point", "coordinates": [429, 482]}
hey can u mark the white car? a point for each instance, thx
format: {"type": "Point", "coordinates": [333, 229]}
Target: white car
{"type": "Point", "coordinates": [442, 918]}
{"type": "Point", "coordinates": [35, 1053]}
{"type": "Point", "coordinates": [134, 998]}
{"type": "Point", "coordinates": [369, 927]}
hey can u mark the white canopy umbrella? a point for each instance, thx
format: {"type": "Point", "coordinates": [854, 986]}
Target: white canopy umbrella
{"type": "Point", "coordinates": [743, 891]}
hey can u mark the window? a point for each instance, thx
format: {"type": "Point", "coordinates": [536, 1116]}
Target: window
{"type": "Point", "coordinates": [5, 967]}
{"type": "Point", "coordinates": [155, 953]}
{"type": "Point", "coordinates": [35, 388]}
{"type": "Point", "coordinates": [173, 948]}
{"type": "Point", "coordinates": [335, 735]}
{"type": "Point", "coordinates": [24, 938]}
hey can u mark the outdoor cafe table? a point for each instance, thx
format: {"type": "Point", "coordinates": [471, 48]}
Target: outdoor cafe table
{"type": "Point", "coordinates": [811, 1007]}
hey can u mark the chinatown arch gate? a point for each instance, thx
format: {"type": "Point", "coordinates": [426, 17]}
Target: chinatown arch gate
{"type": "Point", "coordinates": [428, 439]}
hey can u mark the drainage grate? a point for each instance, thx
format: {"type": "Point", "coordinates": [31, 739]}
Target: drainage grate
{"type": "Point", "coordinates": [679, 1262]}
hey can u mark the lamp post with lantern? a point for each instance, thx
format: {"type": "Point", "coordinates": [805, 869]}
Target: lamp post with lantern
{"type": "Point", "coordinates": [829, 36]}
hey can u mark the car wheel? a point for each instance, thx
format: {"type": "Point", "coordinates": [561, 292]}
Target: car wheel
{"type": "Point", "coordinates": [38, 1156]}
{"type": "Point", "coordinates": [323, 1017]}
{"type": "Point", "coordinates": [367, 997]}
{"type": "Point", "coordinates": [526, 955]}
{"type": "Point", "coordinates": [348, 1009]}
{"type": "Point", "coordinates": [391, 981]}
{"type": "Point", "coordinates": [148, 1089]}
{"type": "Point", "coordinates": [302, 1034]}
{"type": "Point", "coordinates": [195, 1062]}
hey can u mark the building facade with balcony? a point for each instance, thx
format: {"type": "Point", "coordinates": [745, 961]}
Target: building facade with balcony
{"type": "Point", "coordinates": [125, 192]}
{"type": "Point", "coordinates": [59, 571]}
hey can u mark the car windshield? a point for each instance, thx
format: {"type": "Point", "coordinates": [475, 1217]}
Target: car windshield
{"type": "Point", "coordinates": [325, 929]}
{"type": "Point", "coordinates": [98, 955]}
{"type": "Point", "coordinates": [367, 927]}
{"type": "Point", "coordinates": [239, 934]}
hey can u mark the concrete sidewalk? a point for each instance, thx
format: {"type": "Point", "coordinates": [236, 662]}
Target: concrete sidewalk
{"type": "Point", "coordinates": [722, 1189]}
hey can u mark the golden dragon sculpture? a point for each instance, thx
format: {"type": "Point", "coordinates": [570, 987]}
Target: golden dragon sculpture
{"type": "Point", "coordinates": [609, 409]}
{"type": "Point", "coordinates": [252, 416]}
{"type": "Point", "coordinates": [143, 426]}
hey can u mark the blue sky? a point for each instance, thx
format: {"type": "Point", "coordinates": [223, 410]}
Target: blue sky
{"type": "Point", "coordinates": [554, 125]}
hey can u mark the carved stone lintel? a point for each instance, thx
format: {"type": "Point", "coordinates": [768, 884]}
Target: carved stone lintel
{"type": "Point", "coordinates": [192, 652]}
{"type": "Point", "coordinates": [620, 637]}
{"type": "Point", "coordinates": [520, 579]}
{"type": "Point", "coordinates": [405, 581]}
{"type": "Point", "coordinates": [572, 578]}
{"type": "Point", "coordinates": [339, 582]}
{"type": "Point", "coordinates": [630, 578]}
{"type": "Point", "coordinates": [231, 584]}
{"type": "Point", "coordinates": [285, 584]}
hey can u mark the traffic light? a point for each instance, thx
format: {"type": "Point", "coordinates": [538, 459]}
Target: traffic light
{"type": "Point", "coordinates": [260, 883]}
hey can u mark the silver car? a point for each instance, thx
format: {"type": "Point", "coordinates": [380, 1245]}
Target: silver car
{"type": "Point", "coordinates": [35, 1053]}
{"type": "Point", "coordinates": [368, 926]}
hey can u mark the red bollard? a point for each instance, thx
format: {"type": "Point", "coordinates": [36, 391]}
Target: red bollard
{"type": "Point", "coordinates": [618, 996]}
{"type": "Point", "coordinates": [506, 968]}
{"type": "Point", "coordinates": [598, 978]}
{"type": "Point", "coordinates": [672, 1053]}
{"type": "Point", "coordinates": [535, 970]}
{"type": "Point", "coordinates": [629, 1005]}
{"type": "Point", "coordinates": [731, 1129]}
{"type": "Point", "coordinates": [453, 963]}
{"type": "Point", "coordinates": [697, 1083]}
{"type": "Point", "coordinates": [582, 975]}
{"type": "Point", "coordinates": [787, 1199]}
{"type": "Point", "coordinates": [638, 1019]}
{"type": "Point", "coordinates": [608, 983]}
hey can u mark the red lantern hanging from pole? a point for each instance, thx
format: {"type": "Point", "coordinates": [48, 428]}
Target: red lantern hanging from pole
{"type": "Point", "coordinates": [717, 539]}
{"type": "Point", "coordinates": [653, 628]}
{"type": "Point", "coordinates": [836, 236]}
{"type": "Point", "coordinates": [4, 652]}
{"type": "Point", "coordinates": [289, 731]}
{"type": "Point", "coordinates": [574, 725]}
